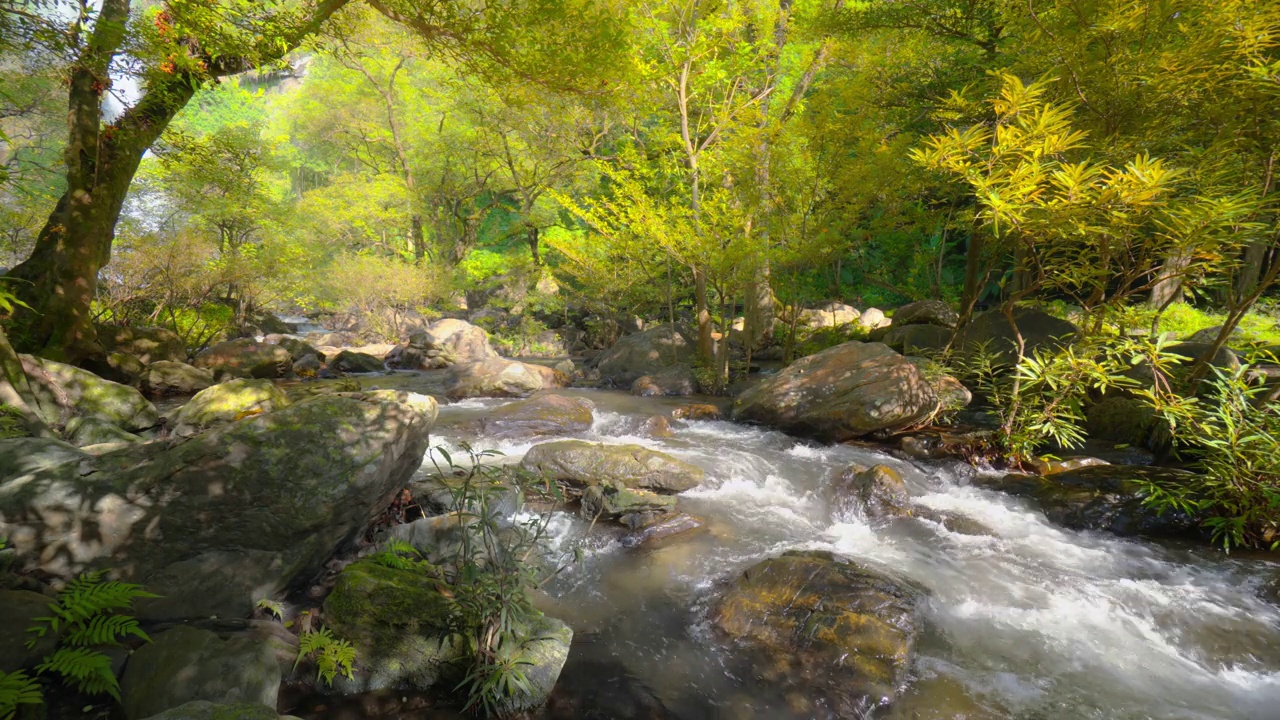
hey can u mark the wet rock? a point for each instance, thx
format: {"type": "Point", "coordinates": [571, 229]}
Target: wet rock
{"type": "Point", "coordinates": [874, 492]}
{"type": "Point", "coordinates": [355, 362]}
{"type": "Point", "coordinates": [399, 622]}
{"type": "Point", "coordinates": [203, 710]}
{"type": "Point", "coordinates": [212, 524]}
{"type": "Point", "coordinates": [497, 377]}
{"type": "Point", "coordinates": [63, 392]}
{"type": "Point", "coordinates": [825, 625]}
{"type": "Point", "coordinates": [19, 610]}
{"type": "Point", "coordinates": [245, 358]}
{"type": "Point", "coordinates": [991, 332]}
{"type": "Point", "coordinates": [841, 393]}
{"type": "Point", "coordinates": [954, 522]}
{"type": "Point", "coordinates": [228, 402]}
{"type": "Point", "coordinates": [697, 411]}
{"type": "Point", "coordinates": [186, 664]}
{"type": "Point", "coordinates": [1103, 497]}
{"type": "Point", "coordinates": [926, 312]}
{"type": "Point", "coordinates": [675, 380]}
{"type": "Point", "coordinates": [585, 464]}
{"type": "Point", "coordinates": [545, 415]}
{"type": "Point", "coordinates": [1053, 466]}
{"type": "Point", "coordinates": [663, 529]}
{"type": "Point", "coordinates": [147, 344]}
{"type": "Point", "coordinates": [164, 378]}
{"type": "Point", "coordinates": [612, 500]}
{"type": "Point", "coordinates": [915, 338]}
{"type": "Point", "coordinates": [657, 427]}
{"type": "Point", "coordinates": [644, 353]}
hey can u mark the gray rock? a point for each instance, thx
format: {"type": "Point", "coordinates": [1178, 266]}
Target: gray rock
{"type": "Point", "coordinates": [991, 331]}
{"type": "Point", "coordinates": [843, 392]}
{"type": "Point", "coordinates": [874, 492]}
{"type": "Point", "coordinates": [675, 380]}
{"type": "Point", "coordinates": [83, 432]}
{"type": "Point", "coordinates": [63, 392]}
{"type": "Point", "coordinates": [832, 314]}
{"type": "Point", "coordinates": [214, 523]}
{"type": "Point", "coordinates": [18, 611]}
{"type": "Point", "coordinates": [457, 341]}
{"type": "Point", "coordinates": [643, 353]}
{"type": "Point", "coordinates": [228, 402]}
{"type": "Point", "coordinates": [873, 318]}
{"type": "Point", "coordinates": [926, 312]}
{"type": "Point", "coordinates": [164, 378]}
{"type": "Point", "coordinates": [497, 377]}
{"type": "Point", "coordinates": [307, 365]}
{"type": "Point", "coordinates": [584, 464]}
{"type": "Point", "coordinates": [355, 362]}
{"type": "Point", "coordinates": [297, 347]}
{"type": "Point", "coordinates": [541, 416]}
{"type": "Point", "coordinates": [186, 664]}
{"type": "Point", "coordinates": [914, 338]}
{"type": "Point", "coordinates": [245, 358]}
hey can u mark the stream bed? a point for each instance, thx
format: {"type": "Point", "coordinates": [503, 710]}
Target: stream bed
{"type": "Point", "coordinates": [1031, 621]}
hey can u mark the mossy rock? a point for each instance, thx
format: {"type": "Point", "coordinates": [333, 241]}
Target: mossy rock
{"type": "Point", "coordinates": [584, 464]}
{"type": "Point", "coordinates": [63, 392]}
{"type": "Point", "coordinates": [825, 625]}
{"type": "Point", "coordinates": [1124, 420]}
{"type": "Point", "coordinates": [611, 500]}
{"type": "Point", "coordinates": [228, 402]}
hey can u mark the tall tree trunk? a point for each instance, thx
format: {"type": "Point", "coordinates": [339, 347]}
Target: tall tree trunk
{"type": "Point", "coordinates": [1168, 288]}
{"type": "Point", "coordinates": [1255, 256]}
{"type": "Point", "coordinates": [975, 275]}
{"type": "Point", "coordinates": [417, 238]}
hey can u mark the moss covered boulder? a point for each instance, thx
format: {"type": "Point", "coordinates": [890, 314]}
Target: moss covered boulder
{"type": "Point", "coordinates": [163, 378]}
{"type": "Point", "coordinates": [584, 464]}
{"type": "Point", "coordinates": [227, 402]}
{"type": "Point", "coordinates": [349, 361]}
{"type": "Point", "coordinates": [86, 431]}
{"type": "Point", "coordinates": [245, 358]}
{"type": "Point", "coordinates": [825, 625]}
{"type": "Point", "coordinates": [63, 392]}
{"type": "Point", "coordinates": [610, 500]}
{"type": "Point", "coordinates": [644, 353]}
{"type": "Point", "coordinates": [399, 621]}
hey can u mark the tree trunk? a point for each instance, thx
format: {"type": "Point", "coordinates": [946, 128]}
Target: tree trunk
{"type": "Point", "coordinates": [974, 275]}
{"type": "Point", "coordinates": [1255, 256]}
{"type": "Point", "coordinates": [417, 238]}
{"type": "Point", "coordinates": [1168, 288]}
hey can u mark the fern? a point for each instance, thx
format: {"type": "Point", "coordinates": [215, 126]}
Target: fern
{"type": "Point", "coordinates": [400, 555]}
{"type": "Point", "coordinates": [17, 689]}
{"type": "Point", "coordinates": [81, 600]}
{"type": "Point", "coordinates": [271, 607]}
{"type": "Point", "coordinates": [332, 655]}
{"type": "Point", "coordinates": [86, 669]}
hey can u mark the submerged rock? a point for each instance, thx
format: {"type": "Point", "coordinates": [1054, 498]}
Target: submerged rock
{"type": "Point", "coordinates": [1103, 497]}
{"type": "Point", "coordinates": [212, 524]}
{"type": "Point", "coordinates": [643, 353]}
{"type": "Point", "coordinates": [245, 358]}
{"type": "Point", "coordinates": [584, 464]}
{"type": "Point", "coordinates": [841, 393]}
{"type": "Point", "coordinates": [497, 377]}
{"type": "Point", "coordinates": [662, 529]}
{"type": "Point", "coordinates": [825, 625]}
{"type": "Point", "coordinates": [540, 416]}
{"type": "Point", "coordinates": [228, 402]}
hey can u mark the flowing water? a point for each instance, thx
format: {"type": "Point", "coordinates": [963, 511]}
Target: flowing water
{"type": "Point", "coordinates": [1032, 621]}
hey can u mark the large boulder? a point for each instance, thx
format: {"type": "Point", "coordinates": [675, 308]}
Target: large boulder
{"type": "Point", "coordinates": [911, 339]}
{"type": "Point", "coordinates": [212, 524]}
{"type": "Point", "coordinates": [540, 416]}
{"type": "Point", "coordinates": [497, 377]}
{"type": "Point", "coordinates": [926, 312]}
{"type": "Point", "coordinates": [63, 392]}
{"type": "Point", "coordinates": [643, 353]}
{"type": "Point", "coordinates": [675, 380]}
{"type": "Point", "coordinates": [86, 431]}
{"type": "Point", "coordinates": [458, 341]}
{"type": "Point", "coordinates": [584, 464]}
{"type": "Point", "coordinates": [399, 622]}
{"type": "Point", "coordinates": [228, 402]}
{"type": "Point", "coordinates": [187, 663]}
{"type": "Point", "coordinates": [1104, 497]}
{"type": "Point", "coordinates": [245, 358]}
{"type": "Point", "coordinates": [827, 626]}
{"type": "Point", "coordinates": [348, 361]}
{"type": "Point", "coordinates": [164, 378]}
{"type": "Point", "coordinates": [832, 314]}
{"type": "Point", "coordinates": [204, 710]}
{"type": "Point", "coordinates": [148, 344]}
{"type": "Point", "coordinates": [843, 392]}
{"type": "Point", "coordinates": [991, 332]}
{"type": "Point", "coordinates": [297, 347]}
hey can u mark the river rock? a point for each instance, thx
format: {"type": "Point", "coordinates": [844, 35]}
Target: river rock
{"type": "Point", "coordinates": [697, 411]}
{"type": "Point", "coordinates": [841, 393]}
{"type": "Point", "coordinates": [457, 340]}
{"type": "Point", "coordinates": [614, 501]}
{"type": "Point", "coordinates": [874, 492]}
{"type": "Point", "coordinates": [643, 353]}
{"type": "Point", "coordinates": [675, 380]}
{"type": "Point", "coordinates": [657, 427]}
{"type": "Point", "coordinates": [912, 339]}
{"type": "Point", "coordinates": [120, 367]}
{"type": "Point", "coordinates": [148, 344]}
{"type": "Point", "coordinates": [834, 314]}
{"type": "Point", "coordinates": [164, 378]}
{"type": "Point", "coordinates": [497, 377]}
{"type": "Point", "coordinates": [399, 623]}
{"type": "Point", "coordinates": [541, 416]}
{"type": "Point", "coordinates": [873, 319]}
{"type": "Point", "coordinates": [228, 402]}
{"type": "Point", "coordinates": [926, 312]}
{"type": "Point", "coordinates": [212, 524]}
{"type": "Point", "coordinates": [187, 663]}
{"type": "Point", "coordinates": [825, 625]}
{"type": "Point", "coordinates": [308, 366]}
{"type": "Point", "coordinates": [63, 392]}
{"type": "Point", "coordinates": [86, 431]}
{"type": "Point", "coordinates": [245, 358]}
{"type": "Point", "coordinates": [297, 347]}
{"type": "Point", "coordinates": [1103, 497]}
{"type": "Point", "coordinates": [355, 362]}
{"type": "Point", "coordinates": [203, 710]}
{"type": "Point", "coordinates": [585, 464]}
{"type": "Point", "coordinates": [990, 331]}
{"type": "Point", "coordinates": [663, 528]}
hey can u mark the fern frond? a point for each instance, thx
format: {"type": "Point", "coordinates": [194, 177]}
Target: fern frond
{"type": "Point", "coordinates": [104, 630]}
{"type": "Point", "coordinates": [87, 596]}
{"type": "Point", "coordinates": [272, 607]}
{"type": "Point", "coordinates": [17, 689]}
{"type": "Point", "coordinates": [87, 670]}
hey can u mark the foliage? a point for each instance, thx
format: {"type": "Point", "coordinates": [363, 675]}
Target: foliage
{"type": "Point", "coordinates": [16, 688]}
{"type": "Point", "coordinates": [332, 656]}
{"type": "Point", "coordinates": [85, 616]}
{"type": "Point", "coordinates": [12, 424]}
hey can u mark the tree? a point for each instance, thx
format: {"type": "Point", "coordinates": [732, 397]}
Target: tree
{"type": "Point", "coordinates": [173, 50]}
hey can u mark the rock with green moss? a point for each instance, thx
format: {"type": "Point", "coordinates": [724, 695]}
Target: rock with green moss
{"type": "Point", "coordinates": [1125, 420]}
{"type": "Point", "coordinates": [147, 344]}
{"type": "Point", "coordinates": [214, 523]}
{"type": "Point", "coordinates": [825, 625]}
{"type": "Point", "coordinates": [228, 402]}
{"type": "Point", "coordinates": [204, 710]}
{"type": "Point", "coordinates": [164, 378]}
{"type": "Point", "coordinates": [63, 392]}
{"type": "Point", "coordinates": [187, 663]}
{"type": "Point", "coordinates": [399, 622]}
{"type": "Point", "coordinates": [612, 500]}
{"type": "Point", "coordinates": [86, 431]}
{"type": "Point", "coordinates": [583, 464]}
{"type": "Point", "coordinates": [245, 358]}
